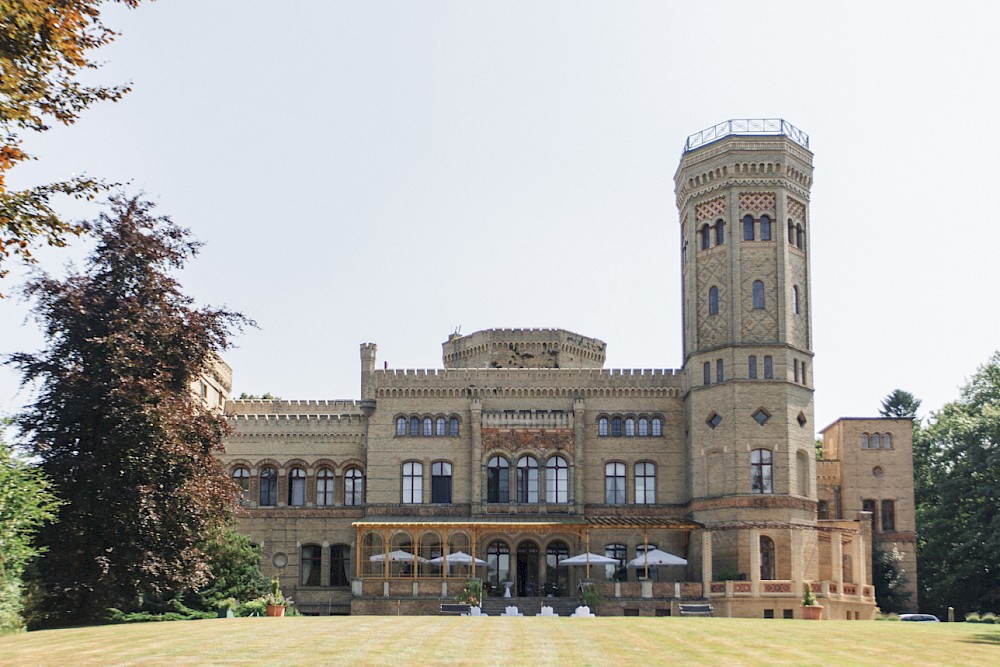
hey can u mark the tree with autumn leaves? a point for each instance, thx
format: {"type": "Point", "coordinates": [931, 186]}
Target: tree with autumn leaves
{"type": "Point", "coordinates": [126, 445]}
{"type": "Point", "coordinates": [44, 46]}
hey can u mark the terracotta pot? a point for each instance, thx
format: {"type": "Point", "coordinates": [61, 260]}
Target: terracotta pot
{"type": "Point", "coordinates": [275, 610]}
{"type": "Point", "coordinates": [813, 612]}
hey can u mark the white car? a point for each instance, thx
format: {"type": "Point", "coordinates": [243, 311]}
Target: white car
{"type": "Point", "coordinates": [920, 617]}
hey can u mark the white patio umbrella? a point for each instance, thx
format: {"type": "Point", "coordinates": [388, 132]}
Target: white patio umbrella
{"type": "Point", "coordinates": [589, 559]}
{"type": "Point", "coordinates": [457, 557]}
{"type": "Point", "coordinates": [655, 557]}
{"type": "Point", "coordinates": [398, 555]}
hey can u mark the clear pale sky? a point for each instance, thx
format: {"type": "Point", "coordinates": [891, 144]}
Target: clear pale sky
{"type": "Point", "coordinates": [387, 171]}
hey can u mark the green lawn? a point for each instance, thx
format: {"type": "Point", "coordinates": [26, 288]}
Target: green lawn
{"type": "Point", "coordinates": [421, 640]}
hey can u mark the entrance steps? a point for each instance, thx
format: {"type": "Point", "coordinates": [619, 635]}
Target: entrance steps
{"type": "Point", "coordinates": [495, 606]}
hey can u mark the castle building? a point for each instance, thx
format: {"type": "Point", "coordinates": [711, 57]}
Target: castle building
{"type": "Point", "coordinates": [523, 450]}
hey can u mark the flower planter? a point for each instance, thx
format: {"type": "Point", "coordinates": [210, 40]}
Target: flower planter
{"type": "Point", "coordinates": [275, 610]}
{"type": "Point", "coordinates": [812, 612]}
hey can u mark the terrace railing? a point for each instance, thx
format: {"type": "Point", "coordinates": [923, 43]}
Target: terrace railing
{"type": "Point", "coordinates": [747, 126]}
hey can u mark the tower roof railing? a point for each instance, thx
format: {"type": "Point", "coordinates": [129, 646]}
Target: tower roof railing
{"type": "Point", "coordinates": [747, 126]}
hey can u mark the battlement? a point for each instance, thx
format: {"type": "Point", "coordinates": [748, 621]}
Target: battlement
{"type": "Point", "coordinates": [273, 407]}
{"type": "Point", "coordinates": [523, 348]}
{"type": "Point", "coordinates": [520, 419]}
{"type": "Point", "coordinates": [536, 375]}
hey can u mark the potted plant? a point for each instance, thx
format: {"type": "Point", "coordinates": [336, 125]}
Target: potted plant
{"type": "Point", "coordinates": [811, 610]}
{"type": "Point", "coordinates": [275, 603]}
{"type": "Point", "coordinates": [226, 607]}
{"type": "Point", "coordinates": [471, 595]}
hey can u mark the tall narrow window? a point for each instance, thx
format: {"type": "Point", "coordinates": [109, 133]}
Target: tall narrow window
{"type": "Point", "coordinates": [428, 424]}
{"type": "Point", "coordinates": [720, 371]}
{"type": "Point", "coordinates": [765, 228]}
{"type": "Point", "coordinates": [269, 486]}
{"type": "Point", "coordinates": [706, 371]}
{"type": "Point", "coordinates": [791, 233]}
{"type": "Point", "coordinates": [614, 483]}
{"type": "Point", "coordinates": [752, 367]}
{"type": "Point", "coordinates": [498, 480]}
{"type": "Point", "coordinates": [616, 427]}
{"type": "Point", "coordinates": [748, 228]}
{"type": "Point", "coordinates": [527, 480]}
{"type": "Point", "coordinates": [643, 427]}
{"type": "Point", "coordinates": [888, 515]}
{"type": "Point", "coordinates": [297, 487]}
{"type": "Point", "coordinates": [864, 441]}
{"type": "Point", "coordinates": [803, 365]}
{"type": "Point", "coordinates": [324, 488]}
{"type": "Point", "coordinates": [795, 299]}
{"type": "Point", "coordinates": [761, 478]}
{"type": "Point", "coordinates": [768, 367]}
{"type": "Point", "coordinates": [713, 300]}
{"type": "Point", "coordinates": [875, 441]}
{"type": "Point", "coordinates": [645, 483]}
{"type": "Point", "coordinates": [795, 363]}
{"type": "Point", "coordinates": [886, 442]}
{"type": "Point", "coordinates": [310, 564]}
{"type": "Point", "coordinates": [720, 232]}
{"type": "Point", "coordinates": [602, 427]}
{"type": "Point", "coordinates": [800, 237]}
{"type": "Point", "coordinates": [766, 557]}
{"type": "Point", "coordinates": [616, 572]}
{"type": "Point", "coordinates": [354, 487]}
{"type": "Point", "coordinates": [657, 427]}
{"type": "Point", "coordinates": [340, 565]}
{"type": "Point", "coordinates": [758, 295]}
{"type": "Point", "coordinates": [413, 483]}
{"type": "Point", "coordinates": [414, 426]}
{"type": "Point", "coordinates": [498, 557]}
{"type": "Point", "coordinates": [556, 480]}
{"type": "Point", "coordinates": [439, 426]}
{"type": "Point", "coordinates": [453, 426]}
{"type": "Point", "coordinates": [706, 237]}
{"type": "Point", "coordinates": [440, 482]}
{"type": "Point", "coordinates": [630, 428]}
{"type": "Point", "coordinates": [869, 505]}
{"type": "Point", "coordinates": [401, 426]}
{"type": "Point", "coordinates": [241, 477]}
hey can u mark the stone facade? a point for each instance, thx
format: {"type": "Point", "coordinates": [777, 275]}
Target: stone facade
{"type": "Point", "coordinates": [523, 450]}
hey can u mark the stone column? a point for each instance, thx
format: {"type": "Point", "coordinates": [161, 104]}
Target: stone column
{"type": "Point", "coordinates": [706, 562]}
{"type": "Point", "coordinates": [579, 443]}
{"type": "Point", "coordinates": [324, 564]}
{"type": "Point", "coordinates": [475, 455]}
{"type": "Point", "coordinates": [797, 556]}
{"type": "Point", "coordinates": [755, 561]}
{"type": "Point", "coordinates": [860, 571]}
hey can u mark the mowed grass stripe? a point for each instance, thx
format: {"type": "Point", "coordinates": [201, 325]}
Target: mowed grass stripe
{"type": "Point", "coordinates": [402, 641]}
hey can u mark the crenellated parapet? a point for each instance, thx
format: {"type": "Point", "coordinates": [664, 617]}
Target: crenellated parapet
{"type": "Point", "coordinates": [283, 407]}
{"type": "Point", "coordinates": [523, 348]}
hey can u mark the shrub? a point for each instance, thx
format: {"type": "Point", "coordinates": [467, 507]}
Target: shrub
{"type": "Point", "coordinates": [988, 617]}
{"type": "Point", "coordinates": [891, 616]}
{"type": "Point", "coordinates": [972, 618]}
{"type": "Point", "coordinates": [252, 608]}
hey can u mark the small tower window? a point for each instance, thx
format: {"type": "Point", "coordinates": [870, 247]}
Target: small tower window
{"type": "Point", "coordinates": [748, 228]}
{"type": "Point", "coordinates": [713, 420]}
{"type": "Point", "coordinates": [720, 232]}
{"type": "Point", "coordinates": [768, 367]}
{"type": "Point", "coordinates": [765, 228]}
{"type": "Point", "coordinates": [752, 367]}
{"type": "Point", "coordinates": [800, 237]}
{"type": "Point", "coordinates": [795, 299]}
{"type": "Point", "coordinates": [761, 477]}
{"type": "Point", "coordinates": [720, 372]}
{"type": "Point", "coordinates": [706, 237]}
{"type": "Point", "coordinates": [791, 233]}
{"type": "Point", "coordinates": [713, 301]}
{"type": "Point", "coordinates": [706, 370]}
{"type": "Point", "coordinates": [795, 363]}
{"type": "Point", "coordinates": [758, 295]}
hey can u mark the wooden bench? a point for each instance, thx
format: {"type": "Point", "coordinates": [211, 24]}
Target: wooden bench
{"type": "Point", "coordinates": [695, 609]}
{"type": "Point", "coordinates": [455, 608]}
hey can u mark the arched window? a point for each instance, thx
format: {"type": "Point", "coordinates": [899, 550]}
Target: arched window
{"type": "Point", "coordinates": [310, 564]}
{"type": "Point", "coordinates": [556, 576]}
{"type": "Point", "coordinates": [645, 483]}
{"type": "Point", "coordinates": [414, 426]}
{"type": "Point", "coordinates": [795, 299]}
{"type": "Point", "coordinates": [616, 572]}
{"type": "Point", "coordinates": [614, 483]}
{"type": "Point", "coordinates": [297, 487]}
{"type": "Point", "coordinates": [340, 565]}
{"type": "Point", "coordinates": [354, 487]}
{"type": "Point", "coordinates": [441, 482]}
{"type": "Point", "coordinates": [413, 482]}
{"type": "Point", "coordinates": [440, 427]}
{"type": "Point", "coordinates": [706, 237]}
{"type": "Point", "coordinates": [713, 300]}
{"type": "Point", "coordinates": [428, 426]}
{"type": "Point", "coordinates": [864, 441]}
{"type": "Point", "coordinates": [748, 228]}
{"type": "Point", "coordinates": [889, 515]}
{"type": "Point", "coordinates": [630, 428]}
{"type": "Point", "coordinates": [324, 488]}
{"type": "Point", "coordinates": [643, 427]}
{"type": "Point", "coordinates": [706, 372]}
{"type": "Point", "coordinates": [602, 427]}
{"type": "Point", "coordinates": [527, 480]}
{"type": "Point", "coordinates": [720, 232]}
{"type": "Point", "coordinates": [401, 426]}
{"type": "Point", "coordinates": [720, 370]}
{"type": "Point", "coordinates": [498, 480]}
{"type": "Point", "coordinates": [241, 477]}
{"type": "Point", "coordinates": [765, 228]}
{"type": "Point", "coordinates": [758, 295]}
{"type": "Point", "coordinates": [616, 427]}
{"type": "Point", "coordinates": [768, 367]}
{"type": "Point", "coordinates": [761, 475]}
{"type": "Point", "coordinates": [498, 559]}
{"type": "Point", "coordinates": [886, 441]}
{"type": "Point", "coordinates": [766, 557]}
{"type": "Point", "coordinates": [791, 233]}
{"type": "Point", "coordinates": [453, 426]}
{"type": "Point", "coordinates": [657, 427]}
{"type": "Point", "coordinates": [269, 486]}
{"type": "Point", "coordinates": [752, 367]}
{"type": "Point", "coordinates": [800, 237]}
{"type": "Point", "coordinates": [875, 442]}
{"type": "Point", "coordinates": [556, 480]}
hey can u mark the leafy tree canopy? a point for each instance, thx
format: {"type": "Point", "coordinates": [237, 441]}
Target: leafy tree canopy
{"type": "Point", "coordinates": [957, 479]}
{"type": "Point", "coordinates": [900, 403]}
{"type": "Point", "coordinates": [44, 46]}
{"type": "Point", "coordinates": [127, 445]}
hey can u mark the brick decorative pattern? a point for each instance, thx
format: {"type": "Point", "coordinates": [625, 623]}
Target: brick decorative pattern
{"type": "Point", "coordinates": [757, 202]}
{"type": "Point", "coordinates": [713, 270]}
{"type": "Point", "coordinates": [778, 587]}
{"type": "Point", "coordinates": [710, 210]}
{"type": "Point", "coordinates": [796, 210]}
{"type": "Point", "coordinates": [515, 440]}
